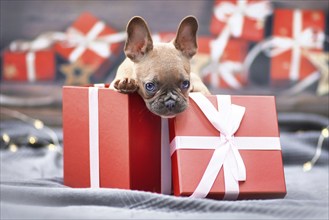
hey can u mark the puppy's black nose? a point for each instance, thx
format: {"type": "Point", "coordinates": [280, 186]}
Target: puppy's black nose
{"type": "Point", "coordinates": [170, 104]}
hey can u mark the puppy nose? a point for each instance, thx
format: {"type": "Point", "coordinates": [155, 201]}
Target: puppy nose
{"type": "Point", "coordinates": [170, 104]}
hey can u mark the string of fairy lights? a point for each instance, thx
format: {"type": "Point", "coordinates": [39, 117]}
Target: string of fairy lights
{"type": "Point", "coordinates": [310, 164]}
{"type": "Point", "coordinates": [12, 143]}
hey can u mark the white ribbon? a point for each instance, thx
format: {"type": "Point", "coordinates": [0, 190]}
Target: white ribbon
{"type": "Point", "coordinates": [42, 42]}
{"type": "Point", "coordinates": [210, 142]}
{"type": "Point", "coordinates": [94, 135]}
{"type": "Point", "coordinates": [165, 158]}
{"type": "Point", "coordinates": [301, 39]}
{"type": "Point", "coordinates": [224, 70]}
{"type": "Point", "coordinates": [233, 15]}
{"type": "Point", "coordinates": [30, 65]}
{"type": "Point", "coordinates": [226, 120]}
{"type": "Point", "coordinates": [91, 41]}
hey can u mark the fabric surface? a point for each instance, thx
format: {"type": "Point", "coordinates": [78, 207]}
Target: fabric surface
{"type": "Point", "coordinates": [32, 185]}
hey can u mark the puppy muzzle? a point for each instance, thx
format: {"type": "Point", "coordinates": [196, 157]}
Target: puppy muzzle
{"type": "Point", "coordinates": [168, 105]}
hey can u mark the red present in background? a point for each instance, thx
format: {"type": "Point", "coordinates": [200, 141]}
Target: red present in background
{"type": "Point", "coordinates": [28, 66]}
{"type": "Point", "coordinates": [111, 140]}
{"type": "Point", "coordinates": [163, 37]}
{"type": "Point", "coordinates": [245, 18]}
{"type": "Point", "coordinates": [91, 41]}
{"type": "Point", "coordinates": [230, 63]}
{"type": "Point", "coordinates": [293, 32]}
{"type": "Point", "coordinates": [245, 144]}
{"type": "Point", "coordinates": [228, 72]}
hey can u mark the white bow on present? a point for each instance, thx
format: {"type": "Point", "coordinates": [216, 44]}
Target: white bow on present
{"type": "Point", "coordinates": [226, 120]}
{"type": "Point", "coordinates": [92, 41]}
{"type": "Point", "coordinates": [233, 15]}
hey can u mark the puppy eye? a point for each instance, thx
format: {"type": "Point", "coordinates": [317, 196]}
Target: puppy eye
{"type": "Point", "coordinates": [185, 84]}
{"type": "Point", "coordinates": [150, 87]}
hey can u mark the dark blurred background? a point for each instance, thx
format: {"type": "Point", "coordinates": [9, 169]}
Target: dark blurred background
{"type": "Point", "coordinates": [27, 19]}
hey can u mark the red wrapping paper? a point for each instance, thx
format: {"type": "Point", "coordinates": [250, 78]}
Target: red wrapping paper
{"type": "Point", "coordinates": [235, 51]}
{"type": "Point", "coordinates": [84, 24]}
{"type": "Point", "coordinates": [15, 66]}
{"type": "Point", "coordinates": [283, 27]}
{"type": "Point", "coordinates": [264, 168]}
{"type": "Point", "coordinates": [129, 157]}
{"type": "Point", "coordinates": [252, 29]}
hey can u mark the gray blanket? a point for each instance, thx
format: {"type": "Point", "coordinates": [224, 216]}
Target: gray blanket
{"type": "Point", "coordinates": [32, 185]}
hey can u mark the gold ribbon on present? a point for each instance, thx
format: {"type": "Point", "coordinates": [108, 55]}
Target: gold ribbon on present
{"type": "Point", "coordinates": [321, 61]}
{"type": "Point", "coordinates": [42, 42]}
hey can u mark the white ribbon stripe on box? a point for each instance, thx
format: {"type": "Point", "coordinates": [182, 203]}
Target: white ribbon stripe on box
{"type": "Point", "coordinates": [42, 42]}
{"type": "Point", "coordinates": [92, 41]}
{"type": "Point", "coordinates": [301, 39]}
{"type": "Point", "coordinates": [165, 158]}
{"type": "Point", "coordinates": [226, 120]}
{"type": "Point", "coordinates": [94, 135]}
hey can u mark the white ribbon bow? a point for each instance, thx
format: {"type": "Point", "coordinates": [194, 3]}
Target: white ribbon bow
{"type": "Point", "coordinates": [227, 121]}
{"type": "Point", "coordinates": [233, 15]}
{"type": "Point", "coordinates": [98, 44]}
{"type": "Point", "coordinates": [226, 71]}
{"type": "Point", "coordinates": [307, 39]}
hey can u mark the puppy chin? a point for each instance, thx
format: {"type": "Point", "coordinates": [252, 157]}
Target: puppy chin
{"type": "Point", "coordinates": [167, 114]}
{"type": "Point", "coordinates": [173, 115]}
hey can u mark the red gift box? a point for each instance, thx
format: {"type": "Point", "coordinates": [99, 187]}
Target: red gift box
{"type": "Point", "coordinates": [28, 66]}
{"type": "Point", "coordinates": [111, 140]}
{"type": "Point", "coordinates": [293, 32]}
{"type": "Point", "coordinates": [91, 41]}
{"type": "Point", "coordinates": [228, 13]}
{"type": "Point", "coordinates": [228, 72]}
{"type": "Point", "coordinates": [245, 144]}
{"type": "Point", "coordinates": [163, 37]}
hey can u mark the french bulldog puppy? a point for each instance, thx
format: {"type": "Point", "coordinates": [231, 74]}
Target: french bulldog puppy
{"type": "Point", "coordinates": [160, 72]}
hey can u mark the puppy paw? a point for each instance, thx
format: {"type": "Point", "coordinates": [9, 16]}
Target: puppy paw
{"type": "Point", "coordinates": [126, 85]}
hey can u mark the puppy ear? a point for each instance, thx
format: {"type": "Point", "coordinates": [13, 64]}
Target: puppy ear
{"type": "Point", "coordinates": [186, 40]}
{"type": "Point", "coordinates": [139, 41]}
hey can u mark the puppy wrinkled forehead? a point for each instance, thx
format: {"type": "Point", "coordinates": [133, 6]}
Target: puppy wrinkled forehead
{"type": "Point", "coordinates": [169, 59]}
{"type": "Point", "coordinates": [164, 64]}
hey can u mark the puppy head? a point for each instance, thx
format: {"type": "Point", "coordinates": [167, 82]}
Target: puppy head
{"type": "Point", "coordinates": [162, 69]}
